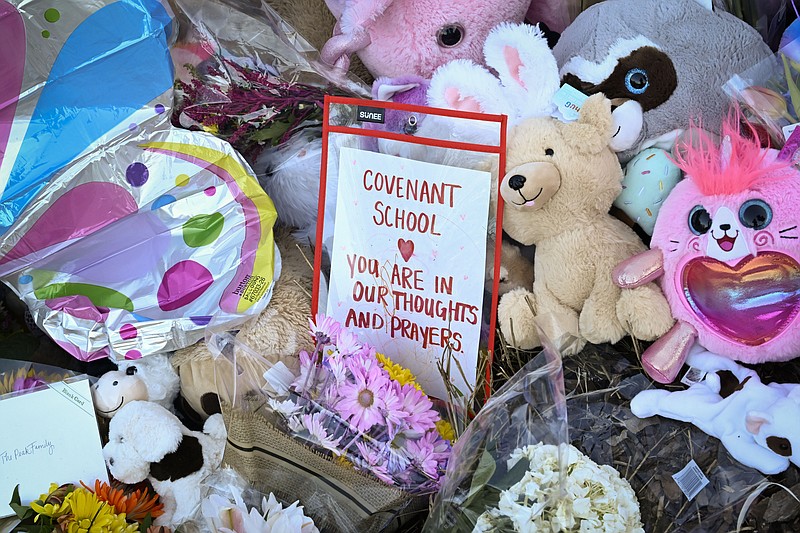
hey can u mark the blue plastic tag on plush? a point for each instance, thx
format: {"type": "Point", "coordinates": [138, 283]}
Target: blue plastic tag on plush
{"type": "Point", "coordinates": [569, 101]}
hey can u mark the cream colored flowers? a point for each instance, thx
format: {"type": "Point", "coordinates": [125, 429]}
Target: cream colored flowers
{"type": "Point", "coordinates": [594, 498]}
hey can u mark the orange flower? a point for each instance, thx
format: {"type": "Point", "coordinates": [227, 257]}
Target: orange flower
{"type": "Point", "coordinates": [136, 505]}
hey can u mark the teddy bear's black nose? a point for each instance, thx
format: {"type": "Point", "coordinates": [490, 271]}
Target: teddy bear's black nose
{"type": "Point", "coordinates": [724, 227]}
{"type": "Point", "coordinates": [516, 182]}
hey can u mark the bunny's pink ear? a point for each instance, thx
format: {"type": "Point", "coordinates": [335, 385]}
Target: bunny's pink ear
{"type": "Point", "coordinates": [526, 66]}
{"type": "Point", "coordinates": [465, 86]}
{"type": "Point", "coordinates": [351, 34]}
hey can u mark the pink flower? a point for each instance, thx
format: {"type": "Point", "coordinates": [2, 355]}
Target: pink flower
{"type": "Point", "coordinates": [310, 374]}
{"type": "Point", "coordinates": [421, 454]}
{"type": "Point", "coordinates": [317, 433]}
{"type": "Point", "coordinates": [421, 416]}
{"type": "Point", "coordinates": [362, 402]}
{"type": "Point", "coordinates": [373, 460]}
{"type": "Point", "coordinates": [347, 343]}
{"type": "Point", "coordinates": [21, 384]}
{"type": "Point", "coordinates": [324, 329]}
{"type": "Point", "coordinates": [393, 408]}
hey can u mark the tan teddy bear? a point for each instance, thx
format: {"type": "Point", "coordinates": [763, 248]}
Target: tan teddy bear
{"type": "Point", "coordinates": [561, 182]}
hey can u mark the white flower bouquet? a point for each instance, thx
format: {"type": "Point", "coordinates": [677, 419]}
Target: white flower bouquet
{"type": "Point", "coordinates": [593, 498]}
{"type": "Point", "coordinates": [513, 469]}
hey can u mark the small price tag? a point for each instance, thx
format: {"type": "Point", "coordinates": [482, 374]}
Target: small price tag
{"type": "Point", "coordinates": [787, 130]}
{"type": "Point", "coordinates": [693, 376]}
{"type": "Point", "coordinates": [690, 480]}
{"type": "Point", "coordinates": [569, 101]}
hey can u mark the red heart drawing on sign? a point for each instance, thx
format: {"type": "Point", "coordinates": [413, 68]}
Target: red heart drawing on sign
{"type": "Point", "coordinates": [406, 248]}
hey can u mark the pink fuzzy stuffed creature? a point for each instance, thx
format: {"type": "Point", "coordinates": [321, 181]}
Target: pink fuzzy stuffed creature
{"type": "Point", "coordinates": [727, 246]}
{"type": "Point", "coordinates": [414, 37]}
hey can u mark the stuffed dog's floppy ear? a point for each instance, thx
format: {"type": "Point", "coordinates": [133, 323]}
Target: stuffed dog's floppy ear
{"type": "Point", "coordinates": [147, 428]}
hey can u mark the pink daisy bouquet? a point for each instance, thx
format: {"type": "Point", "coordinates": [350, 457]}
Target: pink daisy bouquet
{"type": "Point", "coordinates": [364, 410]}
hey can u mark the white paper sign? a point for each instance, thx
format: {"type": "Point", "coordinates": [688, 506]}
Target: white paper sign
{"type": "Point", "coordinates": [48, 436]}
{"type": "Point", "coordinates": [408, 260]}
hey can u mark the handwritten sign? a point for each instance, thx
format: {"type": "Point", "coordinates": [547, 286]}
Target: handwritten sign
{"type": "Point", "coordinates": [50, 436]}
{"type": "Point", "coordinates": [408, 260]}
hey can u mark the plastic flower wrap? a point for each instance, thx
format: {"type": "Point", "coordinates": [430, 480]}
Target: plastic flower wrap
{"type": "Point", "coordinates": [19, 376]}
{"type": "Point", "coordinates": [107, 508]}
{"type": "Point", "coordinates": [514, 470]}
{"type": "Point", "coordinates": [358, 405]}
{"type": "Point", "coordinates": [769, 92]}
{"type": "Point", "coordinates": [342, 429]}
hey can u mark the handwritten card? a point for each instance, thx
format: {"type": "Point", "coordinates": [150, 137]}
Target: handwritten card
{"type": "Point", "coordinates": [49, 436]}
{"type": "Point", "coordinates": [408, 261]}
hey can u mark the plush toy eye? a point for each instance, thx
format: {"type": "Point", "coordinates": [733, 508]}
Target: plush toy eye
{"type": "Point", "coordinates": [411, 125]}
{"type": "Point", "coordinates": [549, 152]}
{"type": "Point", "coordinates": [131, 370]}
{"type": "Point", "coordinates": [450, 35]}
{"type": "Point", "coordinates": [699, 220]}
{"type": "Point", "coordinates": [636, 81]}
{"type": "Point", "coordinates": [755, 214]}
{"type": "Point", "coordinates": [115, 383]}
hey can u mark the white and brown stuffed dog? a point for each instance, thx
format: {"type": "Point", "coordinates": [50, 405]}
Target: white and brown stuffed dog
{"type": "Point", "coordinates": [146, 441]}
{"type": "Point", "coordinates": [151, 378]}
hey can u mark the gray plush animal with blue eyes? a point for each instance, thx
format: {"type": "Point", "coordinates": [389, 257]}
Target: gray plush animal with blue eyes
{"type": "Point", "coordinates": [662, 63]}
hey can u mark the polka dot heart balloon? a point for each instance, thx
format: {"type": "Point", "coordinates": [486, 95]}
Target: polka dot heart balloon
{"type": "Point", "coordinates": [124, 236]}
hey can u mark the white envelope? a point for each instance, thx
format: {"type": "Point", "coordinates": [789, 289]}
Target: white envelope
{"type": "Point", "coordinates": [48, 436]}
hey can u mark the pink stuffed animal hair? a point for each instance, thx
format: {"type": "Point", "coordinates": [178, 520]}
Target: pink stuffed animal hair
{"type": "Point", "coordinates": [737, 164]}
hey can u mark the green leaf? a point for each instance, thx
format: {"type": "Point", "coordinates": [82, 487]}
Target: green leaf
{"type": "Point", "coordinates": [794, 92]}
{"type": "Point", "coordinates": [483, 473]}
{"type": "Point", "coordinates": [23, 512]}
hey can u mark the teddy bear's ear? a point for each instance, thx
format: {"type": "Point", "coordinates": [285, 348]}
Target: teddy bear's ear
{"type": "Point", "coordinates": [526, 66]}
{"type": "Point", "coordinates": [593, 130]}
{"type": "Point", "coordinates": [755, 419]}
{"type": "Point", "coordinates": [465, 86]}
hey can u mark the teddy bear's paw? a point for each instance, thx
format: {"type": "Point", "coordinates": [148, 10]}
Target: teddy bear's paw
{"type": "Point", "coordinates": [598, 325]}
{"type": "Point", "coordinates": [516, 318]}
{"type": "Point", "coordinates": [645, 312]}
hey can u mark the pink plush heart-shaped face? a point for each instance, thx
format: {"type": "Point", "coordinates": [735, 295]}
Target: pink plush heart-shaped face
{"type": "Point", "coordinates": [750, 303]}
{"type": "Point", "coordinates": [406, 248]}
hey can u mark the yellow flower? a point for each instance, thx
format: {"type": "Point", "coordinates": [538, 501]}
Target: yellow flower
{"type": "Point", "coordinates": [90, 515]}
{"type": "Point", "coordinates": [212, 129]}
{"type": "Point", "coordinates": [53, 504]}
{"type": "Point", "coordinates": [445, 430]}
{"type": "Point", "coordinates": [396, 372]}
{"type": "Point", "coordinates": [342, 460]}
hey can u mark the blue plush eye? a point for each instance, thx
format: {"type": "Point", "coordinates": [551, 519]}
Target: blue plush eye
{"type": "Point", "coordinates": [636, 81]}
{"type": "Point", "coordinates": [755, 214]}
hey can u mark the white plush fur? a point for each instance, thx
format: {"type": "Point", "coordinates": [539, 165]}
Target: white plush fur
{"type": "Point", "coordinates": [143, 433]}
{"type": "Point", "coordinates": [151, 378]}
{"type": "Point", "coordinates": [743, 421]}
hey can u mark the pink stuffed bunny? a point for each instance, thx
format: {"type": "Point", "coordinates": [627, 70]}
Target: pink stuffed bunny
{"type": "Point", "coordinates": [405, 37]}
{"type": "Point", "coordinates": [727, 246]}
